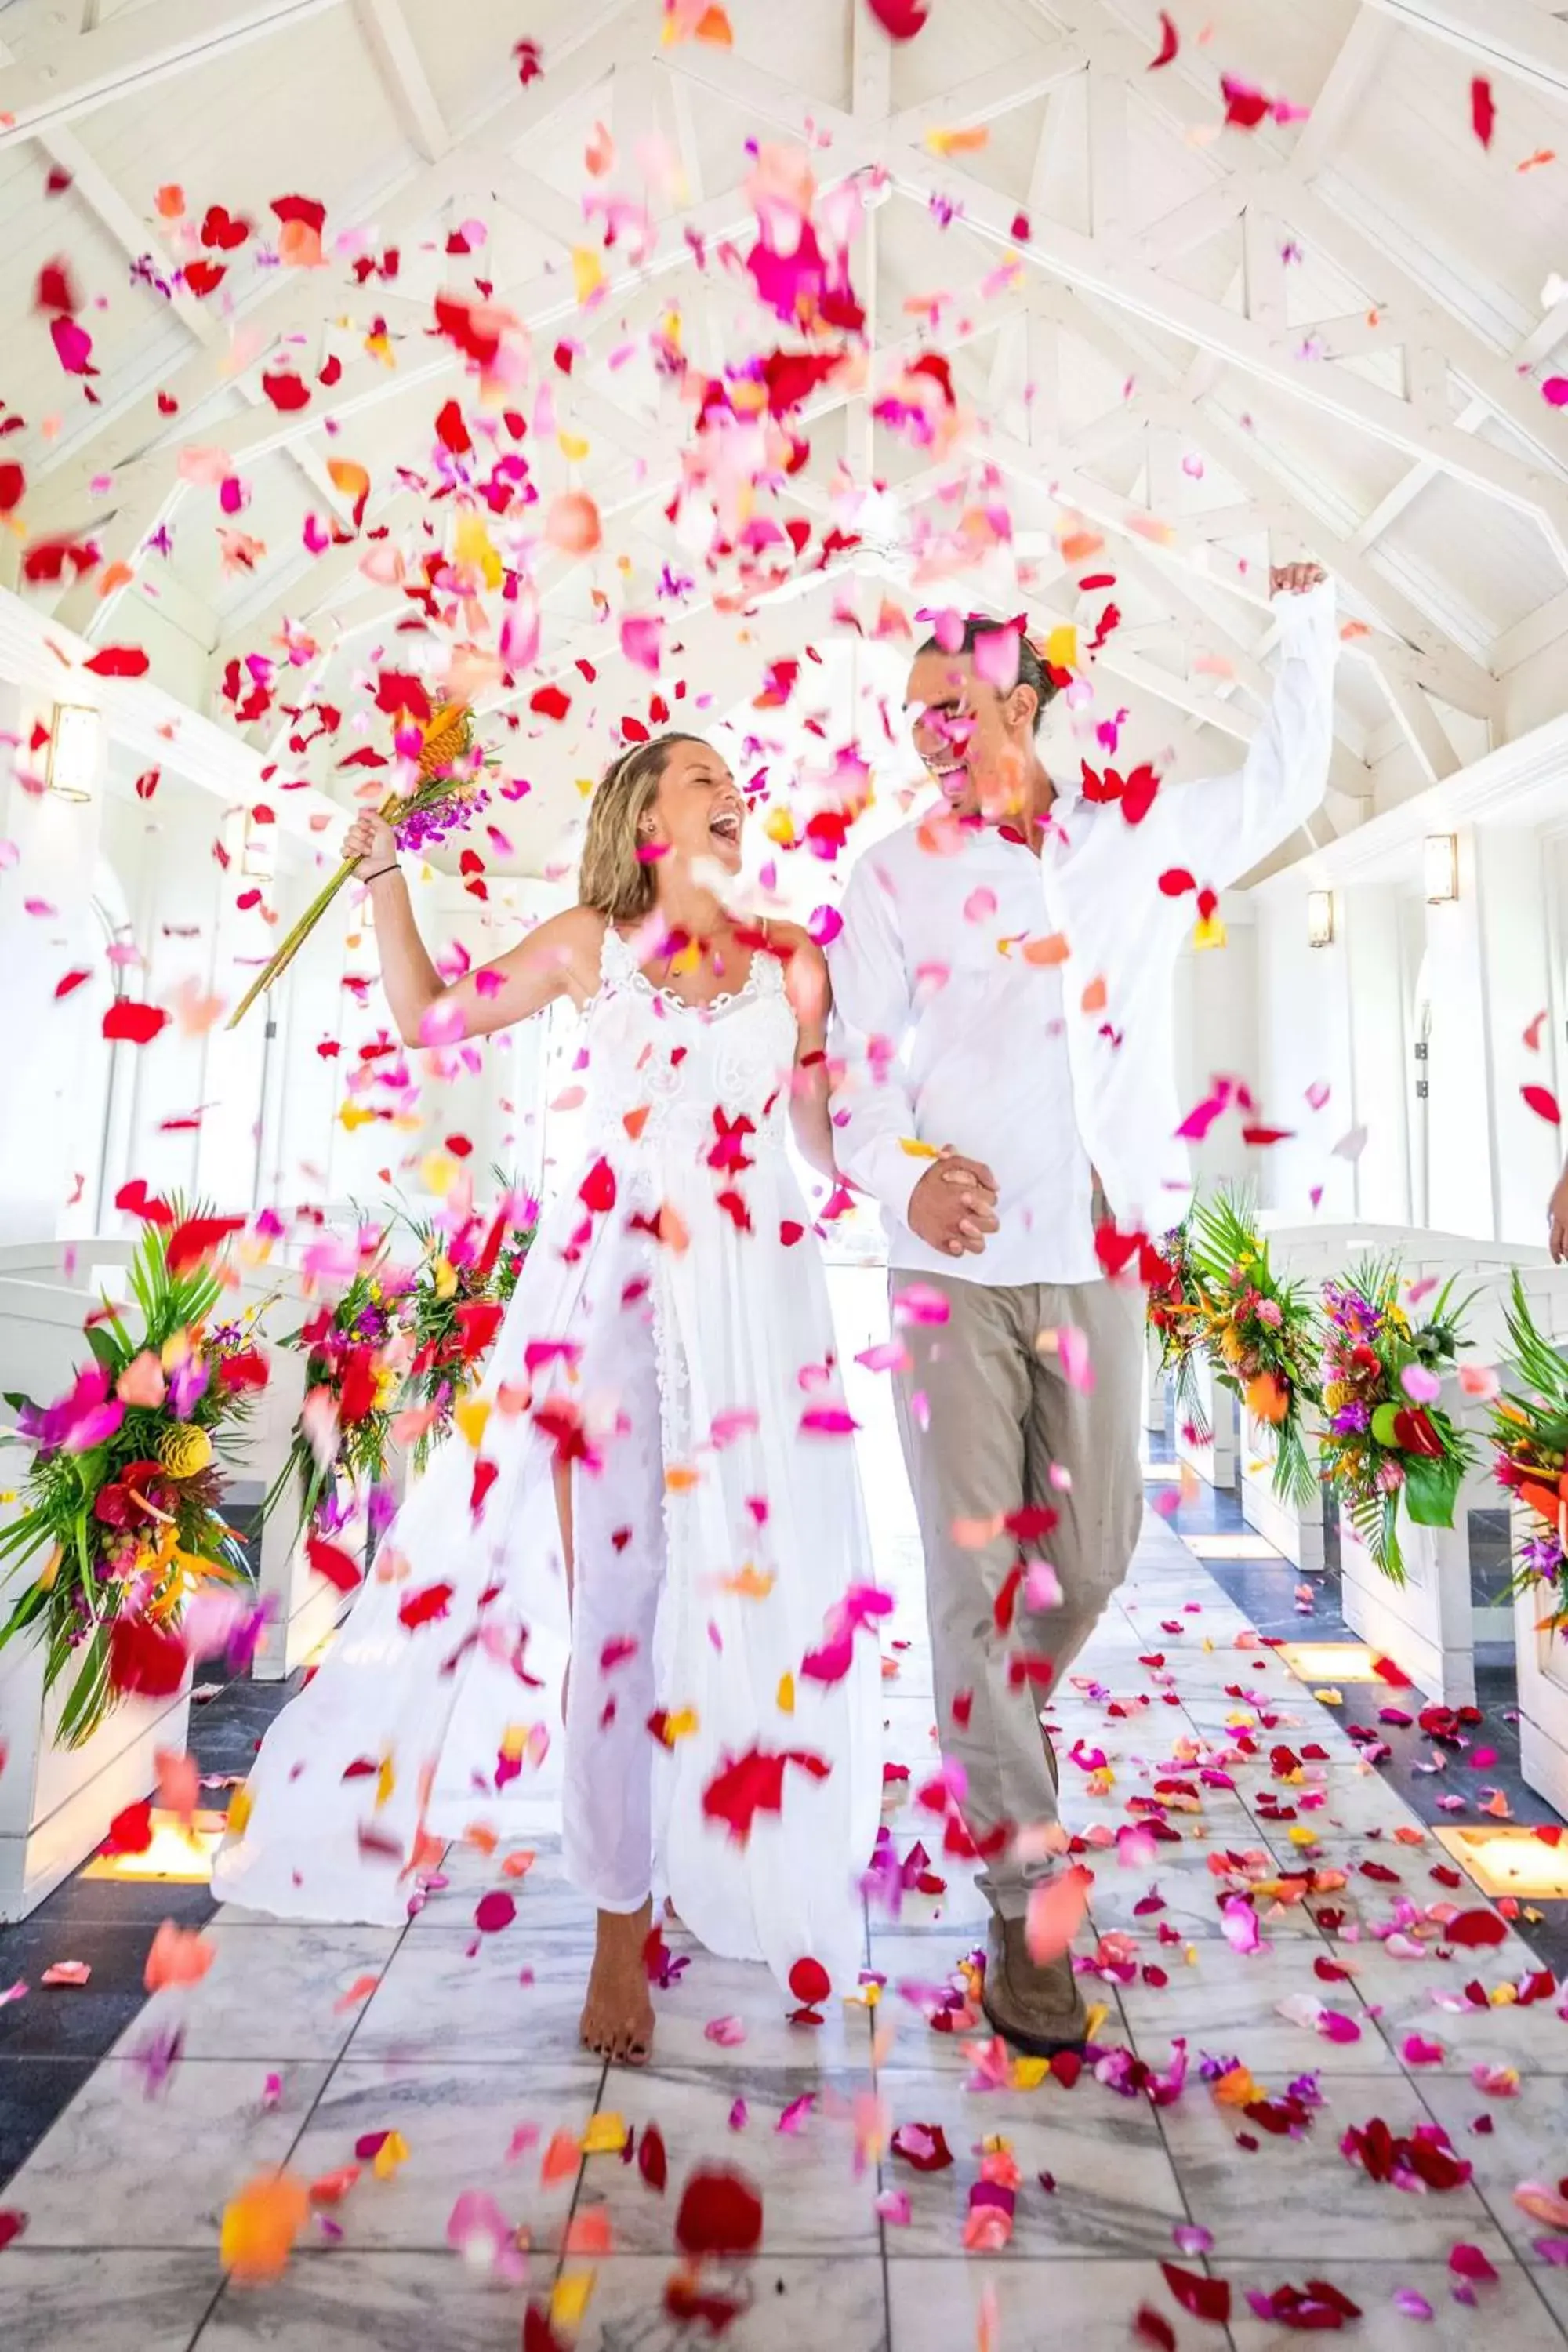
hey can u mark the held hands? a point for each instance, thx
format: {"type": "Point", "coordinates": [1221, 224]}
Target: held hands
{"type": "Point", "coordinates": [953, 1206]}
{"type": "Point", "coordinates": [371, 842]}
{"type": "Point", "coordinates": [1294, 579]}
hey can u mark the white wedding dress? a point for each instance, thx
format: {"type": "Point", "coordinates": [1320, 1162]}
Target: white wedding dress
{"type": "Point", "coordinates": [672, 1328]}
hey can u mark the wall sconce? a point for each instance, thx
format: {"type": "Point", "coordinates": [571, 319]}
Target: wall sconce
{"type": "Point", "coordinates": [1319, 918]}
{"type": "Point", "coordinates": [73, 751]}
{"type": "Point", "coordinates": [1441, 859]}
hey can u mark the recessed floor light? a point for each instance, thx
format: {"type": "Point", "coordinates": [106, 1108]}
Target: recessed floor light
{"type": "Point", "coordinates": [176, 1853]}
{"type": "Point", "coordinates": [1512, 1860]}
{"type": "Point", "coordinates": [1335, 1662]}
{"type": "Point", "coordinates": [1231, 1547]}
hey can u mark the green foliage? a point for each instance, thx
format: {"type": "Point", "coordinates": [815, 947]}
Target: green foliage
{"type": "Point", "coordinates": [107, 1547]}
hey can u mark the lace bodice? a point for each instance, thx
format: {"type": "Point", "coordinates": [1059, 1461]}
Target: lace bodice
{"type": "Point", "coordinates": [694, 1070]}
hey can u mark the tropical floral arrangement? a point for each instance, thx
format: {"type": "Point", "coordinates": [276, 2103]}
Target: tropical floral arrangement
{"type": "Point", "coordinates": [1385, 1437]}
{"type": "Point", "coordinates": [123, 1496]}
{"type": "Point", "coordinates": [1175, 1313]}
{"type": "Point", "coordinates": [447, 795]}
{"type": "Point", "coordinates": [453, 1308]}
{"type": "Point", "coordinates": [1530, 1431]}
{"type": "Point", "coordinates": [1261, 1333]}
{"type": "Point", "coordinates": [338, 1448]}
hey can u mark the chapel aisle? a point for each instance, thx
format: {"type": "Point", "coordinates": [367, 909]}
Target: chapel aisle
{"type": "Point", "coordinates": [440, 2060]}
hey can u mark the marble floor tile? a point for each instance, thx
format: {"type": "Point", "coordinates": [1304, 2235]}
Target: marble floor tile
{"type": "Point", "coordinates": [790, 2304]}
{"type": "Point", "coordinates": [1227, 2003]}
{"type": "Point", "coordinates": [547, 1903]}
{"type": "Point", "coordinates": [446, 1994]}
{"type": "Point", "coordinates": [1528, 2141]}
{"type": "Point", "coordinates": [121, 2169]}
{"type": "Point", "coordinates": [272, 1993]}
{"type": "Point", "coordinates": [1086, 2305]}
{"type": "Point", "coordinates": [79, 2302]}
{"type": "Point", "coordinates": [1114, 2193]}
{"type": "Point", "coordinates": [813, 2201]}
{"type": "Point", "coordinates": [1509, 2311]}
{"type": "Point", "coordinates": [1534, 2039]}
{"type": "Point", "coordinates": [459, 2123]}
{"type": "Point", "coordinates": [1190, 1893]}
{"type": "Point", "coordinates": [1291, 2200]}
{"type": "Point", "coordinates": [1552, 2286]}
{"type": "Point", "coordinates": [449, 1994]}
{"type": "Point", "coordinates": [335, 2301]}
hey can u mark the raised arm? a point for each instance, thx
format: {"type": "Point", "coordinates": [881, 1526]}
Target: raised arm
{"type": "Point", "coordinates": [1222, 825]}
{"type": "Point", "coordinates": [561, 957]}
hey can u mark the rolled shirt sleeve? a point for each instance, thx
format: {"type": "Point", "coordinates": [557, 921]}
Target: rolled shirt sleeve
{"type": "Point", "coordinates": [1225, 825]}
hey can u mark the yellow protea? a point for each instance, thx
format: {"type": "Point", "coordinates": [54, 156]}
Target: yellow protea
{"type": "Point", "coordinates": [448, 735]}
{"type": "Point", "coordinates": [184, 1449]}
{"type": "Point", "coordinates": [1231, 1346]}
{"type": "Point", "coordinates": [1337, 1393]}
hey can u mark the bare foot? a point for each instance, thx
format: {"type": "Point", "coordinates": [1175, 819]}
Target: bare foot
{"type": "Point", "coordinates": [617, 2016]}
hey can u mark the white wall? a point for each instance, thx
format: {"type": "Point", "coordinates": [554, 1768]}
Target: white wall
{"type": "Point", "coordinates": [48, 1042]}
{"type": "Point", "coordinates": [1344, 1013]}
{"type": "Point", "coordinates": [244, 1118]}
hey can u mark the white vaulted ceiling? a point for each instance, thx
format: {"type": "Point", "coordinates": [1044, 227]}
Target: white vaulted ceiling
{"type": "Point", "coordinates": [1200, 344]}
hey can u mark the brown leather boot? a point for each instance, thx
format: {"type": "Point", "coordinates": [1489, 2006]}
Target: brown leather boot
{"type": "Point", "coordinates": [1040, 2009]}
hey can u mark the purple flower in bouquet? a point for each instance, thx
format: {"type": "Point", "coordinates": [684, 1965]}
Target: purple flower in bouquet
{"type": "Point", "coordinates": [423, 829]}
{"type": "Point", "coordinates": [188, 1385]}
{"type": "Point", "coordinates": [1350, 1420]}
{"type": "Point", "coordinates": [1540, 1557]}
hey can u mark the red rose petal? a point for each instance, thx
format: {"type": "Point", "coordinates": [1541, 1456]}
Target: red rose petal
{"type": "Point", "coordinates": [720, 2213]}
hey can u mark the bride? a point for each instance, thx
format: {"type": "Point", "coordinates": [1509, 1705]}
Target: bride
{"type": "Point", "coordinates": [664, 1474]}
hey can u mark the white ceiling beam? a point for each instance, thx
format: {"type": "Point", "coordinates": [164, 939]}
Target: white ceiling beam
{"type": "Point", "coordinates": [1532, 635]}
{"type": "Point", "coordinates": [1340, 91]}
{"type": "Point", "coordinates": [547, 301]}
{"type": "Point", "coordinates": [1541, 340]}
{"type": "Point", "coordinates": [1108, 185]}
{"type": "Point", "coordinates": [1196, 222]}
{"type": "Point", "coordinates": [1454, 673]}
{"type": "Point", "coordinates": [870, 69]}
{"type": "Point", "coordinates": [292, 301]}
{"type": "Point", "coordinates": [1512, 37]}
{"type": "Point", "coordinates": [385, 31]}
{"type": "Point", "coordinates": [1183, 91]}
{"type": "Point", "coordinates": [128, 56]}
{"type": "Point", "coordinates": [534, 201]}
{"type": "Point", "coordinates": [1084, 263]}
{"type": "Point", "coordinates": [1418, 723]}
{"type": "Point", "coordinates": [985, 97]}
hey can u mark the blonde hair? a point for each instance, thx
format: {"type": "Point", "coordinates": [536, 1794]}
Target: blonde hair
{"type": "Point", "coordinates": [612, 877]}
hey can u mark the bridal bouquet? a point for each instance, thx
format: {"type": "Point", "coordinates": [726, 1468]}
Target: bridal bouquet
{"type": "Point", "coordinates": [454, 1308]}
{"type": "Point", "coordinates": [123, 1495]}
{"type": "Point", "coordinates": [1385, 1437]}
{"type": "Point", "coordinates": [1175, 1313]}
{"type": "Point", "coordinates": [447, 795]}
{"type": "Point", "coordinates": [1261, 1333]}
{"type": "Point", "coordinates": [1530, 1431]}
{"type": "Point", "coordinates": [345, 1428]}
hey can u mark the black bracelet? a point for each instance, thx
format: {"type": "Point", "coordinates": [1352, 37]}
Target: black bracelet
{"type": "Point", "coordinates": [368, 879]}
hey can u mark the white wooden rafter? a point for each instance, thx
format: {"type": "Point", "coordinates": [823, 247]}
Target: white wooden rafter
{"type": "Point", "coordinates": [1072, 276]}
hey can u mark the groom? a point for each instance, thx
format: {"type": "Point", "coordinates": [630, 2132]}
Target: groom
{"type": "Point", "coordinates": [1003, 1086]}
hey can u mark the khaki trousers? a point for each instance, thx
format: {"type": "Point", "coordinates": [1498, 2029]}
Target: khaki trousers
{"type": "Point", "coordinates": [984, 1413]}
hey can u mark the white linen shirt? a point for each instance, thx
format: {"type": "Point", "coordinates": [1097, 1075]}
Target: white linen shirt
{"type": "Point", "coordinates": [945, 1032]}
